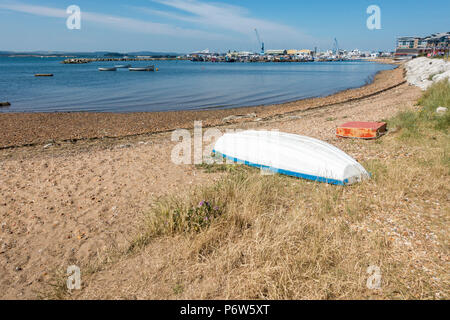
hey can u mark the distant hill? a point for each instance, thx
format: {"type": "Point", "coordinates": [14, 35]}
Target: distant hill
{"type": "Point", "coordinates": [89, 54]}
{"type": "Point", "coordinates": [114, 55]}
{"type": "Point", "coordinates": [3, 53]}
{"type": "Point", "coordinates": [48, 53]}
{"type": "Point", "coordinates": [155, 54]}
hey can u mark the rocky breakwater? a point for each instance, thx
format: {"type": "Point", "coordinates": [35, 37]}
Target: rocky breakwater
{"type": "Point", "coordinates": [89, 60]}
{"type": "Point", "coordinates": [77, 61]}
{"type": "Point", "coordinates": [423, 72]}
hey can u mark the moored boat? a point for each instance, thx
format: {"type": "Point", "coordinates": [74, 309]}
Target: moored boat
{"type": "Point", "coordinates": [123, 66]}
{"type": "Point", "coordinates": [107, 69]}
{"type": "Point", "coordinates": [148, 68]}
{"type": "Point", "coordinates": [291, 155]}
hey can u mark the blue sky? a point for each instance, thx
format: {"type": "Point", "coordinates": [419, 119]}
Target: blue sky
{"type": "Point", "coordinates": [189, 25]}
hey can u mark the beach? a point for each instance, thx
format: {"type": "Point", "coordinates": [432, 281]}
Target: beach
{"type": "Point", "coordinates": [74, 186]}
{"type": "Point", "coordinates": [84, 179]}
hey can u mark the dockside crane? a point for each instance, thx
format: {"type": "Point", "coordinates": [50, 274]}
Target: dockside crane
{"type": "Point", "coordinates": [336, 48]}
{"type": "Point", "coordinates": [261, 44]}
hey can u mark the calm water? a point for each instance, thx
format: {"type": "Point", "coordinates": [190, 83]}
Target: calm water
{"type": "Point", "coordinates": [179, 85]}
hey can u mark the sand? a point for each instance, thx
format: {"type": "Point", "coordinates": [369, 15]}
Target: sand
{"type": "Point", "coordinates": [64, 203]}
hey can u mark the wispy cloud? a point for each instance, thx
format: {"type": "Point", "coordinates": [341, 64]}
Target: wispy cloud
{"type": "Point", "coordinates": [190, 22]}
{"type": "Point", "coordinates": [113, 21]}
{"type": "Point", "coordinates": [227, 17]}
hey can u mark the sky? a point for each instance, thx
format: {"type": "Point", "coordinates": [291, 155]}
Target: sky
{"type": "Point", "coordinates": [185, 26]}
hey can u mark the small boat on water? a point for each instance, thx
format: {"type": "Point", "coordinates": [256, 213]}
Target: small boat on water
{"type": "Point", "coordinates": [123, 66]}
{"type": "Point", "coordinates": [43, 75]}
{"type": "Point", "coordinates": [107, 69]}
{"type": "Point", "coordinates": [291, 155]}
{"type": "Point", "coordinates": [148, 68]}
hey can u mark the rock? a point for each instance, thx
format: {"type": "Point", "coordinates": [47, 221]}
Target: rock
{"type": "Point", "coordinates": [442, 76]}
{"type": "Point", "coordinates": [124, 146]}
{"type": "Point", "coordinates": [423, 72]}
{"type": "Point", "coordinates": [48, 145]}
{"type": "Point", "coordinates": [441, 110]}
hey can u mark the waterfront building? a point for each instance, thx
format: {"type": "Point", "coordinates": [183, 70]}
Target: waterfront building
{"type": "Point", "coordinates": [439, 41]}
{"type": "Point", "coordinates": [276, 52]}
{"type": "Point", "coordinates": [432, 45]}
{"type": "Point", "coordinates": [411, 43]}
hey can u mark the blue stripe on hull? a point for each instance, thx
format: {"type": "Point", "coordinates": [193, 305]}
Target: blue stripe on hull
{"type": "Point", "coordinates": [285, 172]}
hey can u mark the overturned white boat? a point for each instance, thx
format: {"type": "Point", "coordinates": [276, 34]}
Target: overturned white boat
{"type": "Point", "coordinates": [291, 155]}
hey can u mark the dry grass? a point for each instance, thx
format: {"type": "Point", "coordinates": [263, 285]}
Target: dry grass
{"type": "Point", "coordinates": [282, 238]}
{"type": "Point", "coordinates": [275, 237]}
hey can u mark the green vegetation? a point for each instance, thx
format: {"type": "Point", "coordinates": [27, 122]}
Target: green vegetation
{"type": "Point", "coordinates": [216, 168]}
{"type": "Point", "coordinates": [412, 124]}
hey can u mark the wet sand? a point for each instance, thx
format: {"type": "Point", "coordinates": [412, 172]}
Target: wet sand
{"type": "Point", "coordinates": [21, 129]}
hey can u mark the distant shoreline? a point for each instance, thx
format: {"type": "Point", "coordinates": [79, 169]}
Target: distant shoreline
{"type": "Point", "coordinates": [42, 128]}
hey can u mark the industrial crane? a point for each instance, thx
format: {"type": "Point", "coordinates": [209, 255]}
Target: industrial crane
{"type": "Point", "coordinates": [261, 44]}
{"type": "Point", "coordinates": [336, 48]}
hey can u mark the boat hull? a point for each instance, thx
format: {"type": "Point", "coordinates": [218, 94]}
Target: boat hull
{"type": "Point", "coordinates": [149, 68]}
{"type": "Point", "coordinates": [107, 69]}
{"type": "Point", "coordinates": [291, 155]}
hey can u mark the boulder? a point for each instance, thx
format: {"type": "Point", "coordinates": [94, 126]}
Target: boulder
{"type": "Point", "coordinates": [423, 72]}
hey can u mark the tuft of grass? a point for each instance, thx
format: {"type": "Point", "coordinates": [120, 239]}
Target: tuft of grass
{"type": "Point", "coordinates": [218, 168]}
{"type": "Point", "coordinates": [413, 124]}
{"type": "Point", "coordinates": [178, 289]}
{"type": "Point", "coordinates": [437, 95]}
{"type": "Point", "coordinates": [407, 121]}
{"type": "Point", "coordinates": [56, 287]}
{"type": "Point", "coordinates": [196, 211]}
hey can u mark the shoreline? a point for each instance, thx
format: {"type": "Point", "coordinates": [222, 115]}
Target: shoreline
{"type": "Point", "coordinates": [43, 128]}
